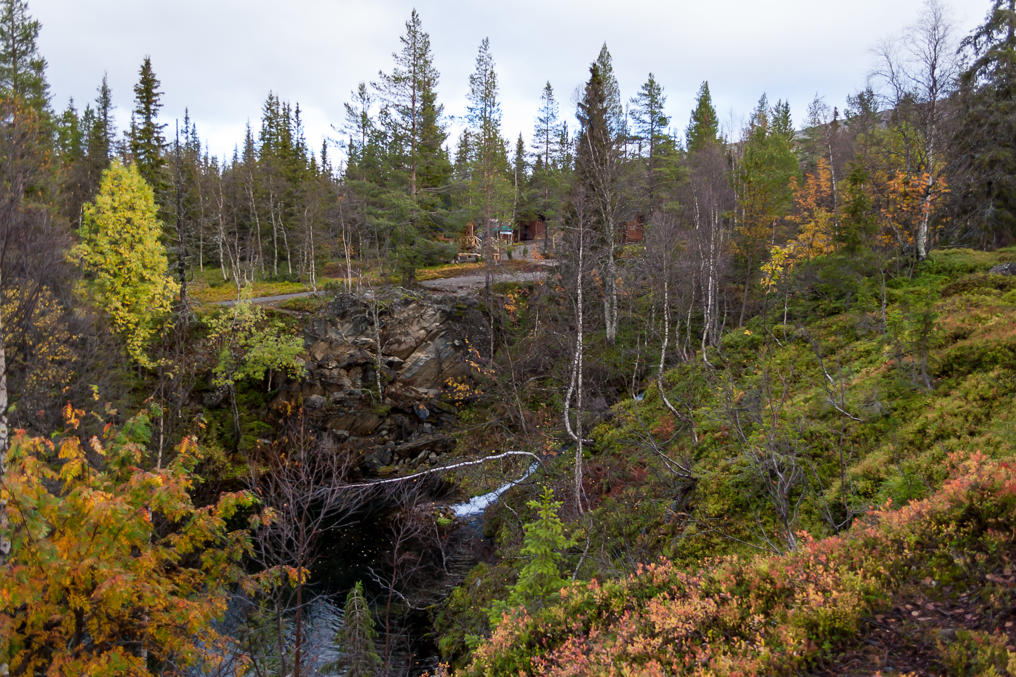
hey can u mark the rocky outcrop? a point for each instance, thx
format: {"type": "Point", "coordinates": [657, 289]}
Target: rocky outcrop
{"type": "Point", "coordinates": [1008, 268]}
{"type": "Point", "coordinates": [425, 341]}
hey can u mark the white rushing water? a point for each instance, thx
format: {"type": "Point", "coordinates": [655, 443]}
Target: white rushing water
{"type": "Point", "coordinates": [321, 651]}
{"type": "Point", "coordinates": [477, 504]}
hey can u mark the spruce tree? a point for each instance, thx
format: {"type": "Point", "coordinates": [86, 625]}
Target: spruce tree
{"type": "Point", "coordinates": [547, 129]}
{"type": "Point", "coordinates": [146, 141]}
{"type": "Point", "coordinates": [489, 174]}
{"type": "Point", "coordinates": [105, 127]}
{"type": "Point", "coordinates": [565, 160]}
{"type": "Point", "coordinates": [983, 176]}
{"type": "Point", "coordinates": [547, 176]}
{"type": "Point", "coordinates": [612, 94]}
{"type": "Point", "coordinates": [762, 176]}
{"type": "Point", "coordinates": [704, 127]}
{"type": "Point", "coordinates": [26, 226]}
{"type": "Point", "coordinates": [433, 166]}
{"type": "Point", "coordinates": [543, 548]}
{"type": "Point", "coordinates": [358, 636]}
{"type": "Point", "coordinates": [597, 165]}
{"type": "Point", "coordinates": [519, 176]}
{"type": "Point", "coordinates": [73, 164]}
{"type": "Point", "coordinates": [68, 134]}
{"type": "Point", "coordinates": [99, 131]}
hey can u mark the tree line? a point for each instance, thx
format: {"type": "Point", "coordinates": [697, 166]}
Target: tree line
{"type": "Point", "coordinates": [921, 159]}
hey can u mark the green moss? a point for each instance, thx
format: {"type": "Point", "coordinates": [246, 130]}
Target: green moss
{"type": "Point", "coordinates": [869, 406]}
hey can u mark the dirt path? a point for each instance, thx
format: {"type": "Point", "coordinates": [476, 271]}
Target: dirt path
{"type": "Point", "coordinates": [463, 284]}
{"type": "Point", "coordinates": [266, 300]}
{"type": "Point", "coordinates": [475, 281]}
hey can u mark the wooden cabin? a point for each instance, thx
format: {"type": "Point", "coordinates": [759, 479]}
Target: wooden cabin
{"type": "Point", "coordinates": [530, 230]}
{"type": "Point", "coordinates": [634, 231]}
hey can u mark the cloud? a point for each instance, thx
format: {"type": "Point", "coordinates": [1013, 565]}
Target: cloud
{"type": "Point", "coordinates": [219, 58]}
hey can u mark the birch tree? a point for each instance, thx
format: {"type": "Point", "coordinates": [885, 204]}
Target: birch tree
{"type": "Point", "coordinates": [921, 67]}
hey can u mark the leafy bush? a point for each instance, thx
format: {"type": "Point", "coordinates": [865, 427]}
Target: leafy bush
{"type": "Point", "coordinates": [767, 614]}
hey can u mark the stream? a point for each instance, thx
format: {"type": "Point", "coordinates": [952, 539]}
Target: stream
{"type": "Point", "coordinates": [323, 615]}
{"type": "Point", "coordinates": [477, 505]}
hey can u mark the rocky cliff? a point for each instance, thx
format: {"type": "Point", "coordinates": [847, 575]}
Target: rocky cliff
{"type": "Point", "coordinates": [415, 346]}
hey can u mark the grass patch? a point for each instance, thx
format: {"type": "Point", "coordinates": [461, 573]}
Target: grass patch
{"type": "Point", "coordinates": [207, 286]}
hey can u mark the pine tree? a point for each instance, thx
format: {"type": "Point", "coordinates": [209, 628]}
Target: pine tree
{"type": "Point", "coordinates": [410, 92]}
{"type": "Point", "coordinates": [704, 127]}
{"type": "Point", "coordinates": [359, 127]}
{"type": "Point", "coordinates": [146, 141]}
{"type": "Point", "coordinates": [22, 67]}
{"type": "Point", "coordinates": [489, 158]}
{"type": "Point", "coordinates": [650, 131]}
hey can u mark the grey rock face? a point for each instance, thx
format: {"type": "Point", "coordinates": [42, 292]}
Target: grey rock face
{"type": "Point", "coordinates": [424, 342]}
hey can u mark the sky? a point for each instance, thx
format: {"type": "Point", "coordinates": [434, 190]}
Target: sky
{"type": "Point", "coordinates": [220, 58]}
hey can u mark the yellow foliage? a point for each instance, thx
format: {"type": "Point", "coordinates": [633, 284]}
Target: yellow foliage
{"type": "Point", "coordinates": [44, 353]}
{"type": "Point", "coordinates": [909, 199]}
{"type": "Point", "coordinates": [120, 247]}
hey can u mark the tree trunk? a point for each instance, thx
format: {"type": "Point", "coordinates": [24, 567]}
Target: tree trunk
{"type": "Point", "coordinates": [575, 386]}
{"type": "Point", "coordinates": [5, 541]}
{"type": "Point", "coordinates": [312, 264]}
{"type": "Point", "coordinates": [299, 630]}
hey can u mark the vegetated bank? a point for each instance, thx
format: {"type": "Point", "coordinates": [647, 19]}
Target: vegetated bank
{"type": "Point", "coordinates": [842, 466]}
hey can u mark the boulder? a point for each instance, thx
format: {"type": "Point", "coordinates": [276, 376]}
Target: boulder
{"type": "Point", "coordinates": [314, 402]}
{"type": "Point", "coordinates": [1008, 268]}
{"type": "Point", "coordinates": [425, 444]}
{"type": "Point", "coordinates": [377, 458]}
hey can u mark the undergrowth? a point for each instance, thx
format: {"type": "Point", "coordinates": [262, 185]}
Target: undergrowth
{"type": "Point", "coordinates": [849, 390]}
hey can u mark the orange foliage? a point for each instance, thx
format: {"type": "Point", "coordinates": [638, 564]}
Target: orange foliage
{"type": "Point", "coordinates": [908, 200]}
{"type": "Point", "coordinates": [758, 616]}
{"type": "Point", "coordinates": [113, 570]}
{"type": "Point", "coordinates": [814, 217]}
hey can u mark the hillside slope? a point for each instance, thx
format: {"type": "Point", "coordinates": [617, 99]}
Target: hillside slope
{"type": "Point", "coordinates": [758, 480]}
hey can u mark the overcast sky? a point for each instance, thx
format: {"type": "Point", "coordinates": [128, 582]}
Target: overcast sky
{"type": "Point", "coordinates": [219, 58]}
